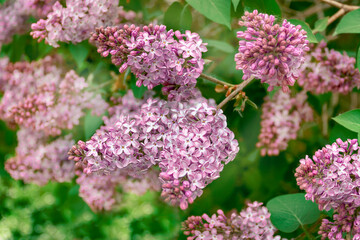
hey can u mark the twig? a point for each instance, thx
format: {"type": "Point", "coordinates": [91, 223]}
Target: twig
{"type": "Point", "coordinates": [346, 7]}
{"type": "Point", "coordinates": [235, 92]}
{"type": "Point", "coordinates": [215, 80]}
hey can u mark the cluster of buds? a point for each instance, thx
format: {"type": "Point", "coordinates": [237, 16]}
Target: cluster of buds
{"type": "Point", "coordinates": [271, 52]}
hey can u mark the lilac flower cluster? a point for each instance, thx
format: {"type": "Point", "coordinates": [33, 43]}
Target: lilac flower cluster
{"type": "Point", "coordinates": [270, 52]}
{"type": "Point", "coordinates": [15, 14]}
{"type": "Point", "coordinates": [75, 22]}
{"type": "Point", "coordinates": [153, 55]}
{"type": "Point", "coordinates": [100, 191]}
{"type": "Point", "coordinates": [252, 222]}
{"type": "Point", "coordinates": [40, 96]}
{"type": "Point", "coordinates": [331, 179]}
{"type": "Point", "coordinates": [329, 71]}
{"type": "Point", "coordinates": [189, 141]}
{"type": "Point", "coordinates": [39, 159]}
{"type": "Point", "coordinates": [280, 121]}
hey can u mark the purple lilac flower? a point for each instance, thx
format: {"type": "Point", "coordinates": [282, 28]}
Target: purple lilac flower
{"type": "Point", "coordinates": [331, 179]}
{"type": "Point", "coordinates": [252, 222]}
{"type": "Point", "coordinates": [40, 160]}
{"type": "Point", "coordinates": [153, 54]}
{"type": "Point", "coordinates": [75, 22]}
{"type": "Point", "coordinates": [41, 96]}
{"type": "Point", "coordinates": [100, 191]}
{"type": "Point", "coordinates": [280, 121]}
{"type": "Point", "coordinates": [189, 141]}
{"type": "Point", "coordinates": [270, 52]}
{"type": "Point", "coordinates": [15, 14]}
{"type": "Point", "coordinates": [329, 71]}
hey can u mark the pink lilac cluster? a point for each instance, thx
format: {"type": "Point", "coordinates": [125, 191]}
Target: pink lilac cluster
{"type": "Point", "coordinates": [271, 52]}
{"type": "Point", "coordinates": [328, 70]}
{"type": "Point", "coordinates": [41, 96]}
{"type": "Point", "coordinates": [189, 141]}
{"type": "Point", "coordinates": [281, 120]}
{"type": "Point", "coordinates": [75, 22]}
{"type": "Point", "coordinates": [40, 159]}
{"type": "Point", "coordinates": [15, 14]}
{"type": "Point", "coordinates": [331, 179]}
{"type": "Point", "coordinates": [153, 54]}
{"type": "Point", "coordinates": [252, 222]}
{"type": "Point", "coordinates": [101, 192]}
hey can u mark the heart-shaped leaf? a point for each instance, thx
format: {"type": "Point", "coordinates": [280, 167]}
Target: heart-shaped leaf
{"type": "Point", "coordinates": [350, 120]}
{"type": "Point", "coordinates": [350, 23]}
{"type": "Point", "coordinates": [290, 211]}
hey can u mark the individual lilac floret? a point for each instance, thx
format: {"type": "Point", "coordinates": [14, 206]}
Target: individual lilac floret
{"type": "Point", "coordinates": [14, 16]}
{"type": "Point", "coordinates": [281, 119]}
{"type": "Point", "coordinates": [271, 52]}
{"type": "Point", "coordinates": [41, 96]}
{"type": "Point", "coordinates": [189, 141]}
{"type": "Point", "coordinates": [252, 222]}
{"type": "Point", "coordinates": [75, 22]}
{"type": "Point", "coordinates": [329, 71]}
{"type": "Point", "coordinates": [40, 160]}
{"type": "Point", "coordinates": [153, 54]}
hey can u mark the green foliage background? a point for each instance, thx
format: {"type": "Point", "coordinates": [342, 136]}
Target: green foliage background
{"type": "Point", "coordinates": [55, 211]}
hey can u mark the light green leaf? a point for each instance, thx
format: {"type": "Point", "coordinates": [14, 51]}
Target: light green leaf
{"type": "Point", "coordinates": [92, 123]}
{"type": "Point", "coordinates": [350, 120]}
{"type": "Point", "coordinates": [223, 46]}
{"type": "Point", "coordinates": [305, 26]}
{"type": "Point", "coordinates": [350, 23]}
{"type": "Point", "coordinates": [321, 24]}
{"type": "Point", "coordinates": [263, 6]}
{"type": "Point", "coordinates": [79, 52]}
{"type": "Point", "coordinates": [178, 17]}
{"type": "Point", "coordinates": [235, 3]}
{"type": "Point", "coordinates": [290, 211]}
{"type": "Point", "coordinates": [216, 10]}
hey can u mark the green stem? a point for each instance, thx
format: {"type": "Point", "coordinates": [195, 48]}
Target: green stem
{"type": "Point", "coordinates": [308, 235]}
{"type": "Point", "coordinates": [215, 80]}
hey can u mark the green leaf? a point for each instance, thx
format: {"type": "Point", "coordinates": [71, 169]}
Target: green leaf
{"type": "Point", "coordinates": [350, 120]}
{"type": "Point", "coordinates": [290, 211]}
{"type": "Point", "coordinates": [350, 23]}
{"type": "Point", "coordinates": [341, 132]}
{"type": "Point", "coordinates": [220, 45]}
{"type": "Point", "coordinates": [138, 91]}
{"type": "Point", "coordinates": [178, 17]}
{"type": "Point", "coordinates": [91, 124]}
{"type": "Point", "coordinates": [216, 10]}
{"type": "Point", "coordinates": [2, 1]}
{"type": "Point", "coordinates": [263, 6]}
{"type": "Point", "coordinates": [305, 26]}
{"type": "Point", "coordinates": [358, 58]}
{"type": "Point", "coordinates": [321, 24]}
{"type": "Point", "coordinates": [79, 52]}
{"type": "Point", "coordinates": [235, 3]}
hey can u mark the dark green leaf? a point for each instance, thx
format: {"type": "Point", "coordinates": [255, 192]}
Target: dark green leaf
{"type": "Point", "coordinates": [79, 52]}
{"type": "Point", "coordinates": [178, 17]}
{"type": "Point", "coordinates": [263, 6]}
{"type": "Point", "coordinates": [350, 120]}
{"type": "Point", "coordinates": [321, 24]}
{"type": "Point", "coordinates": [216, 10]}
{"type": "Point", "coordinates": [92, 123]}
{"type": "Point", "coordinates": [290, 211]}
{"type": "Point", "coordinates": [358, 58]}
{"type": "Point", "coordinates": [305, 26]}
{"type": "Point", "coordinates": [341, 132]}
{"type": "Point", "coordinates": [2, 1]}
{"type": "Point", "coordinates": [223, 46]}
{"type": "Point", "coordinates": [138, 91]}
{"type": "Point", "coordinates": [235, 3]}
{"type": "Point", "coordinates": [350, 23]}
